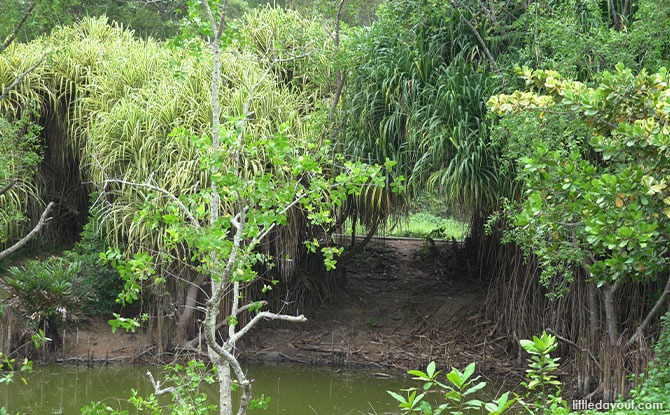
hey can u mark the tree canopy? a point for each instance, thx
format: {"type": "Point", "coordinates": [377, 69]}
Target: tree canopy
{"type": "Point", "coordinates": [546, 119]}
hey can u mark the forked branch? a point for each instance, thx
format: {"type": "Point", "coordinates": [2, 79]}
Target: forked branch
{"type": "Point", "coordinates": [268, 316]}
{"type": "Point", "coordinates": [650, 316]}
{"type": "Point", "coordinates": [158, 391]}
{"type": "Point", "coordinates": [475, 32]}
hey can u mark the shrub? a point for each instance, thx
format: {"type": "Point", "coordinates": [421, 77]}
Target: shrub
{"type": "Point", "coordinates": [100, 283]}
{"type": "Point", "coordinates": [42, 292]}
{"type": "Point", "coordinates": [460, 388]}
{"type": "Point", "coordinates": [654, 388]}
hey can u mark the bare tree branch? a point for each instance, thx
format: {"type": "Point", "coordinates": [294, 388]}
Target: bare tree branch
{"type": "Point", "coordinates": [18, 80]}
{"type": "Point", "coordinates": [269, 316]}
{"type": "Point", "coordinates": [158, 391]}
{"type": "Point", "coordinates": [487, 52]}
{"type": "Point", "coordinates": [652, 313]}
{"type": "Point", "coordinates": [162, 191]}
{"type": "Point", "coordinates": [7, 187]}
{"type": "Point", "coordinates": [191, 343]}
{"type": "Point", "coordinates": [339, 77]}
{"type": "Point", "coordinates": [18, 26]}
{"type": "Point", "coordinates": [150, 1]}
{"type": "Point", "coordinates": [43, 220]}
{"type": "Point", "coordinates": [576, 346]}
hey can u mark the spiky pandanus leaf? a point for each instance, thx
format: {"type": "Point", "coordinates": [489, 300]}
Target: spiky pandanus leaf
{"type": "Point", "coordinates": [119, 98]}
{"type": "Point", "coordinates": [424, 106]}
{"type": "Point", "coordinates": [277, 34]}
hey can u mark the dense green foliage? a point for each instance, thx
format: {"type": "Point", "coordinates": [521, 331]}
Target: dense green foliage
{"type": "Point", "coordinates": [44, 294]}
{"type": "Point", "coordinates": [574, 162]}
{"type": "Point", "coordinates": [420, 76]}
{"type": "Point", "coordinates": [99, 284]}
{"type": "Point", "coordinates": [591, 209]}
{"type": "Point", "coordinates": [416, 96]}
{"type": "Point", "coordinates": [158, 19]}
{"type": "Point", "coordinates": [596, 198]}
{"type": "Point", "coordinates": [654, 389]}
{"type": "Point", "coordinates": [21, 150]}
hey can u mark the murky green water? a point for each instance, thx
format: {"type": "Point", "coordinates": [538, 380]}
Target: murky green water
{"type": "Point", "coordinates": [295, 390]}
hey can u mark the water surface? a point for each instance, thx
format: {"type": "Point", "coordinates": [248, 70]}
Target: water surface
{"type": "Point", "coordinates": [295, 390]}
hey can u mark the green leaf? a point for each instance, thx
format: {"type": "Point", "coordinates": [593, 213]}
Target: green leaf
{"type": "Point", "coordinates": [397, 397]}
{"type": "Point", "coordinates": [455, 377]}
{"type": "Point", "coordinates": [528, 346]}
{"type": "Point", "coordinates": [479, 386]}
{"type": "Point", "coordinates": [418, 374]}
{"type": "Point", "coordinates": [469, 370]}
{"type": "Point", "coordinates": [430, 370]}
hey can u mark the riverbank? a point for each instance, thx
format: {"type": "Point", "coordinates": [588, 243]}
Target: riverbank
{"type": "Point", "coordinates": [404, 304]}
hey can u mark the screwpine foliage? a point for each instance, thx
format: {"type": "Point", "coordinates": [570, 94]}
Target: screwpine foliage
{"type": "Point", "coordinates": [575, 164]}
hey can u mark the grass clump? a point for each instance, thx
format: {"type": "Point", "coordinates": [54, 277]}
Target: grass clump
{"type": "Point", "coordinates": [426, 224]}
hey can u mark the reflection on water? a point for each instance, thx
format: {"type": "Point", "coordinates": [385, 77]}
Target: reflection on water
{"type": "Point", "coordinates": [295, 390]}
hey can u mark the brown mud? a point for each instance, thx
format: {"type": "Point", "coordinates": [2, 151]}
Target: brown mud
{"type": "Point", "coordinates": [403, 305]}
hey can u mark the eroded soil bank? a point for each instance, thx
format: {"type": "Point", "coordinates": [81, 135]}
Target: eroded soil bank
{"type": "Point", "coordinates": [402, 306]}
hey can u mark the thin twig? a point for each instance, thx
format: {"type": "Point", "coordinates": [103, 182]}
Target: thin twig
{"type": "Point", "coordinates": [487, 52]}
{"type": "Point", "coordinates": [160, 190]}
{"type": "Point", "coordinates": [575, 345]}
{"type": "Point", "coordinates": [158, 391]}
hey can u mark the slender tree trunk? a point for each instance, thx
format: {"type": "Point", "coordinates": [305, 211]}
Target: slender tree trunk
{"type": "Point", "coordinates": [593, 339]}
{"type": "Point", "coordinates": [612, 360]}
{"type": "Point", "coordinates": [187, 313]}
{"type": "Point", "coordinates": [611, 315]}
{"type": "Point", "coordinates": [225, 387]}
{"type": "Point", "coordinates": [594, 321]}
{"type": "Point", "coordinates": [220, 363]}
{"type": "Point", "coordinates": [616, 18]}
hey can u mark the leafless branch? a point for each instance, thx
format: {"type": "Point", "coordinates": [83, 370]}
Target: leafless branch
{"type": "Point", "coordinates": [265, 315]}
{"type": "Point", "coordinates": [576, 346]}
{"type": "Point", "coordinates": [149, 1]}
{"type": "Point", "coordinates": [339, 77]}
{"type": "Point", "coordinates": [18, 26]}
{"type": "Point", "coordinates": [222, 21]}
{"type": "Point", "coordinates": [158, 391]}
{"type": "Point", "coordinates": [43, 220]}
{"type": "Point", "coordinates": [7, 187]}
{"type": "Point", "coordinates": [162, 191]}
{"type": "Point", "coordinates": [474, 30]}
{"type": "Point", "coordinates": [650, 316]}
{"type": "Point", "coordinates": [20, 78]}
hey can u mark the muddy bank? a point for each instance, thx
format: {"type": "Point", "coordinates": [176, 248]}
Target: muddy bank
{"type": "Point", "coordinates": [403, 305]}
